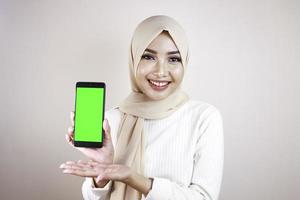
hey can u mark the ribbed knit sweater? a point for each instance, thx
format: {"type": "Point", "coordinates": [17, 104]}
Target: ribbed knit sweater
{"type": "Point", "coordinates": [184, 153]}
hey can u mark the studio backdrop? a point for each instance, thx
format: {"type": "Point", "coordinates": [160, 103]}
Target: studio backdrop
{"type": "Point", "coordinates": [244, 59]}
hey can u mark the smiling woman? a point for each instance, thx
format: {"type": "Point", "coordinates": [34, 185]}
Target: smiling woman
{"type": "Point", "coordinates": [158, 143]}
{"type": "Point", "coordinates": [160, 71]}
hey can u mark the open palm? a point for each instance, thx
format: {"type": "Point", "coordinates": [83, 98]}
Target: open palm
{"type": "Point", "coordinates": [94, 169]}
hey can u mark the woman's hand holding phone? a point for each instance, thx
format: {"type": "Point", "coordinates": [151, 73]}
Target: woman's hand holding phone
{"type": "Point", "coordinates": [102, 155]}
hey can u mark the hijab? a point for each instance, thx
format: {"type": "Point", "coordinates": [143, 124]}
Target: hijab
{"type": "Point", "coordinates": [129, 148]}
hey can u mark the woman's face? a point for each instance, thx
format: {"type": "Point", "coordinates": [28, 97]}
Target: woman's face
{"type": "Point", "coordinates": [160, 70]}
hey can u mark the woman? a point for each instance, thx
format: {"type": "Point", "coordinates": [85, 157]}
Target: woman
{"type": "Point", "coordinates": [158, 144]}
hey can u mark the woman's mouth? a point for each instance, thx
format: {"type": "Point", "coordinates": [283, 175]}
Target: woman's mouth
{"type": "Point", "coordinates": [159, 85]}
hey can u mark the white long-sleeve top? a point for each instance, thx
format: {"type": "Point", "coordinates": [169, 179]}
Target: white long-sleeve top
{"type": "Point", "coordinates": [184, 153]}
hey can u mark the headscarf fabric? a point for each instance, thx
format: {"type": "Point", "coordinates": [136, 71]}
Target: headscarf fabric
{"type": "Point", "coordinates": [129, 148]}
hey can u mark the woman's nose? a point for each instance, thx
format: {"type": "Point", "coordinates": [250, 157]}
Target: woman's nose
{"type": "Point", "coordinates": [161, 68]}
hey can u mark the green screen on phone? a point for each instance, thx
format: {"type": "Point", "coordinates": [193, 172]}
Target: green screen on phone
{"type": "Point", "coordinates": [89, 114]}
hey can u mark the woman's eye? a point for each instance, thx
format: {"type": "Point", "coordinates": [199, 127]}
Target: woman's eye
{"type": "Point", "coordinates": [175, 59]}
{"type": "Point", "coordinates": [148, 57]}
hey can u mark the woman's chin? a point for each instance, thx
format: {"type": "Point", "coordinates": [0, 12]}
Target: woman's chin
{"type": "Point", "coordinates": [157, 95]}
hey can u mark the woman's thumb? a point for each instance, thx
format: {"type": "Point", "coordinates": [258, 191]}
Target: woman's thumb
{"type": "Point", "coordinates": [106, 127]}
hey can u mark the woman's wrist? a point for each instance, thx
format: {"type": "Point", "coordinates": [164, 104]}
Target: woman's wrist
{"type": "Point", "coordinates": [139, 182]}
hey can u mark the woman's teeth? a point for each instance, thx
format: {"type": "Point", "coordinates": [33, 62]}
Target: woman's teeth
{"type": "Point", "coordinates": [159, 83]}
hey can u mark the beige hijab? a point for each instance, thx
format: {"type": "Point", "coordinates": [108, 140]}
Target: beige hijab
{"type": "Point", "coordinates": [136, 107]}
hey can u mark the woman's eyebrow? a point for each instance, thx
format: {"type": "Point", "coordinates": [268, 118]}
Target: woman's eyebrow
{"type": "Point", "coordinates": [169, 53]}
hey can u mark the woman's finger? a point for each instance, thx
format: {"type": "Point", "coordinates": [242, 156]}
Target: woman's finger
{"type": "Point", "coordinates": [84, 164]}
{"type": "Point", "coordinates": [66, 166]}
{"type": "Point", "coordinates": [71, 131]}
{"type": "Point", "coordinates": [106, 128]}
{"type": "Point", "coordinates": [93, 163]}
{"type": "Point", "coordinates": [107, 137]}
{"type": "Point", "coordinates": [69, 140]}
{"type": "Point", "coordinates": [76, 165]}
{"type": "Point", "coordinates": [72, 115]}
{"type": "Point", "coordinates": [70, 162]}
{"type": "Point", "coordinates": [80, 172]}
{"type": "Point", "coordinates": [79, 168]}
{"type": "Point", "coordinates": [98, 165]}
{"type": "Point", "coordinates": [70, 136]}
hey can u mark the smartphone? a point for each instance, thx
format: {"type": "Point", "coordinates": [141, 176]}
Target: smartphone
{"type": "Point", "coordinates": [89, 114]}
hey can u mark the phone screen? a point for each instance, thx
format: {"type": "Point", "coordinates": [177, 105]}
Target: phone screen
{"type": "Point", "coordinates": [89, 110]}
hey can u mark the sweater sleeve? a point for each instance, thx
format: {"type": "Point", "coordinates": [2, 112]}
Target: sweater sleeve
{"type": "Point", "coordinates": [207, 170]}
{"type": "Point", "coordinates": [90, 192]}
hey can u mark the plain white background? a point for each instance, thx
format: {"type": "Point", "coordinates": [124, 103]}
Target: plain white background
{"type": "Point", "coordinates": [245, 60]}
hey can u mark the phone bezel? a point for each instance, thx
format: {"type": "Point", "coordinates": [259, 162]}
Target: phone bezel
{"type": "Point", "coordinates": [90, 85]}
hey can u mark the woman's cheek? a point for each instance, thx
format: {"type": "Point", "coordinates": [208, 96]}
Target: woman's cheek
{"type": "Point", "coordinates": [145, 69]}
{"type": "Point", "coordinates": [177, 73]}
{"type": "Point", "coordinates": [141, 77]}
